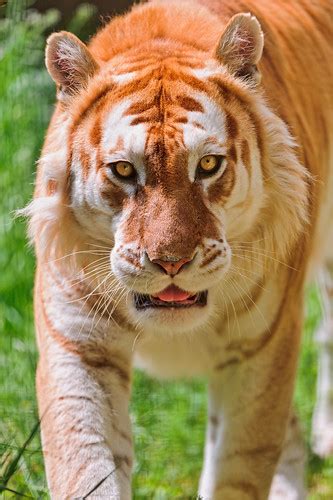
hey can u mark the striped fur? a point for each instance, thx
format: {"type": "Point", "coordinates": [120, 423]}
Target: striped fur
{"type": "Point", "coordinates": [161, 87]}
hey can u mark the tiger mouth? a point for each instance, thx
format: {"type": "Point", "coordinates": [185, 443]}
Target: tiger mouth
{"type": "Point", "coordinates": [143, 301]}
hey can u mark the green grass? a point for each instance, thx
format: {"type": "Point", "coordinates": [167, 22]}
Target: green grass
{"type": "Point", "coordinates": [169, 418]}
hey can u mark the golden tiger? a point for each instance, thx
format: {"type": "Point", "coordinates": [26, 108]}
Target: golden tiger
{"type": "Point", "coordinates": [184, 197]}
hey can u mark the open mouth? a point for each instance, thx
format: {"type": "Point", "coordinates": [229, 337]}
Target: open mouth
{"type": "Point", "coordinates": [171, 297]}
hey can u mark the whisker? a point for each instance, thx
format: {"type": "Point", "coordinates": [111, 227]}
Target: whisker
{"type": "Point", "coordinates": [248, 278]}
{"type": "Point", "coordinates": [88, 295]}
{"type": "Point", "coordinates": [246, 269]}
{"type": "Point", "coordinates": [136, 340]}
{"type": "Point", "coordinates": [232, 242]}
{"type": "Point", "coordinates": [255, 305]}
{"type": "Point", "coordinates": [256, 253]}
{"type": "Point", "coordinates": [92, 275]}
{"type": "Point", "coordinates": [96, 252]}
{"type": "Point", "coordinates": [108, 248]}
{"type": "Point", "coordinates": [234, 310]}
{"type": "Point", "coordinates": [237, 287]}
{"type": "Point", "coordinates": [101, 302]}
{"type": "Point", "coordinates": [85, 302]}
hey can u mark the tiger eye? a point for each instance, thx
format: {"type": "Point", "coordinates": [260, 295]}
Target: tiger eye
{"type": "Point", "coordinates": [208, 163]}
{"type": "Point", "coordinates": [124, 169]}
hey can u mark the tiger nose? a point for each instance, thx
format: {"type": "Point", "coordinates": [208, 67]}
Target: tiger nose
{"type": "Point", "coordinates": [171, 267]}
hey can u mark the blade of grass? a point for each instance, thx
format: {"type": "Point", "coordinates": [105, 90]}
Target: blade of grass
{"type": "Point", "coordinates": [12, 467]}
{"type": "Point", "coordinates": [4, 488]}
{"type": "Point", "coordinates": [100, 483]}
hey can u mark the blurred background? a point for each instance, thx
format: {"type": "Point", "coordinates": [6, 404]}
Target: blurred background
{"type": "Point", "coordinates": [168, 418]}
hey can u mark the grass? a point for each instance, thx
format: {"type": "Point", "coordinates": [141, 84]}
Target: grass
{"type": "Point", "coordinates": [168, 418]}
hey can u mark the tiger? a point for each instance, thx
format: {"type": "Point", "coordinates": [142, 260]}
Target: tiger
{"type": "Point", "coordinates": [183, 201]}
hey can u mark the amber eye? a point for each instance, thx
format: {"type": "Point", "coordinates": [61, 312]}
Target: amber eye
{"type": "Point", "coordinates": [123, 170]}
{"type": "Point", "coordinates": [209, 165]}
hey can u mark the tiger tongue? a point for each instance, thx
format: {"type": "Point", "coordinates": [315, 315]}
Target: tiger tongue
{"type": "Point", "coordinates": [172, 294]}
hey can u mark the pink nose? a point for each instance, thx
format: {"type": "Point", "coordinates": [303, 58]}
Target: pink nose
{"type": "Point", "coordinates": [171, 267]}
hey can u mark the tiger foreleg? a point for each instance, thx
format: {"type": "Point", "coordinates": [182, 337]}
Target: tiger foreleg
{"type": "Point", "coordinates": [83, 404]}
{"type": "Point", "coordinates": [249, 406]}
{"type": "Point", "coordinates": [289, 478]}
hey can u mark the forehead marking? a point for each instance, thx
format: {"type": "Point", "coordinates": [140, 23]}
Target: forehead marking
{"type": "Point", "coordinates": [231, 124]}
{"type": "Point", "coordinates": [203, 126]}
{"type": "Point", "coordinates": [232, 153]}
{"type": "Point", "coordinates": [189, 104]}
{"type": "Point", "coordinates": [162, 113]}
{"type": "Point", "coordinates": [118, 124]}
{"type": "Point", "coordinates": [165, 101]}
{"type": "Point", "coordinates": [90, 104]}
{"type": "Point", "coordinates": [230, 92]}
{"type": "Point", "coordinates": [245, 154]}
{"type": "Point", "coordinates": [85, 161]}
{"type": "Point", "coordinates": [122, 78]}
{"type": "Point", "coordinates": [96, 131]}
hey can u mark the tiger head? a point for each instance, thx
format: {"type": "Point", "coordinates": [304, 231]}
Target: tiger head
{"type": "Point", "coordinates": [167, 154]}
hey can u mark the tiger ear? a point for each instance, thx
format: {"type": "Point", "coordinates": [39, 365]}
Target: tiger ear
{"type": "Point", "coordinates": [69, 63]}
{"type": "Point", "coordinates": [241, 45]}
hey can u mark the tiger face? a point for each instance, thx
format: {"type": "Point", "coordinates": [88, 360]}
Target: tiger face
{"type": "Point", "coordinates": [166, 172]}
{"type": "Point", "coordinates": [165, 164]}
